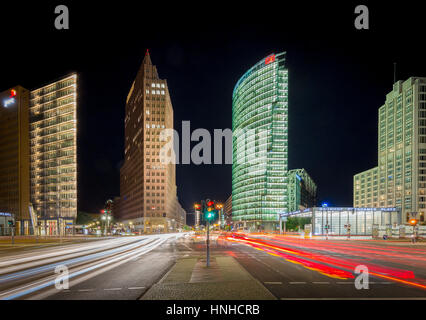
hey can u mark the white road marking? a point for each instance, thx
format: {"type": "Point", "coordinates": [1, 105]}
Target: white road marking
{"type": "Point", "coordinates": [86, 290]}
{"type": "Point", "coordinates": [300, 282]}
{"type": "Point", "coordinates": [273, 282]}
{"type": "Point", "coordinates": [320, 282]}
{"type": "Point", "coordinates": [136, 288]}
{"type": "Point", "coordinates": [112, 289]}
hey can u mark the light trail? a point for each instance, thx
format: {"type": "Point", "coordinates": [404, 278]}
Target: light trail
{"type": "Point", "coordinates": [82, 268]}
{"type": "Point", "coordinates": [397, 275]}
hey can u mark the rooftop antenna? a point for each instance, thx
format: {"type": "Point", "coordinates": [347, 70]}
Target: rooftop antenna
{"type": "Point", "coordinates": [394, 72]}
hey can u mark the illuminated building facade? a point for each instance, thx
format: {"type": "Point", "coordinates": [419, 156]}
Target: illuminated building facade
{"type": "Point", "coordinates": [302, 190]}
{"type": "Point", "coordinates": [360, 220]}
{"type": "Point", "coordinates": [14, 159]}
{"type": "Point", "coordinates": [400, 178]}
{"type": "Point", "coordinates": [53, 153]}
{"type": "Point", "coordinates": [227, 210]}
{"type": "Point", "coordinates": [260, 127]}
{"type": "Point", "coordinates": [148, 197]}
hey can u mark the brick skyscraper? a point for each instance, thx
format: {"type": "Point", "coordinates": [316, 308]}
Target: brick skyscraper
{"type": "Point", "coordinates": [148, 200]}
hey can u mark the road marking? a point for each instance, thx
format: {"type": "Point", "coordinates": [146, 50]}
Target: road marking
{"type": "Point", "coordinates": [345, 283]}
{"type": "Point", "coordinates": [273, 282]}
{"type": "Point", "coordinates": [187, 246]}
{"type": "Point", "coordinates": [300, 282]}
{"type": "Point", "coordinates": [136, 288]}
{"type": "Point", "coordinates": [86, 290]}
{"type": "Point", "coordinates": [112, 289]}
{"type": "Point", "coordinates": [321, 282]}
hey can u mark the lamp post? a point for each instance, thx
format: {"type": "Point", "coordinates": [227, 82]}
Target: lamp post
{"type": "Point", "coordinates": [107, 219]}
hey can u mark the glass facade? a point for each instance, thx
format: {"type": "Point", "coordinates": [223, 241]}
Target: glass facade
{"type": "Point", "coordinates": [260, 127]}
{"type": "Point", "coordinates": [361, 220]}
{"type": "Point", "coordinates": [53, 149]}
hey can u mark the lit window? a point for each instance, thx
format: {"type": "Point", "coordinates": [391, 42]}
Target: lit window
{"type": "Point", "coordinates": [147, 91]}
{"type": "Point", "coordinates": [162, 85]}
{"type": "Point", "coordinates": [162, 91]}
{"type": "Point", "coordinates": [147, 125]}
{"type": "Point", "coordinates": [153, 85]}
{"type": "Point", "coordinates": [147, 111]}
{"type": "Point", "coordinates": [153, 92]}
{"type": "Point", "coordinates": [158, 85]}
{"type": "Point", "coordinates": [158, 91]}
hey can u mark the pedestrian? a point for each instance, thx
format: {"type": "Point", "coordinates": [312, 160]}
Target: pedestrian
{"type": "Point", "coordinates": [413, 238]}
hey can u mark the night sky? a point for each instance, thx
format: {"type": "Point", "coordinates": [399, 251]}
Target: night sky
{"type": "Point", "coordinates": [338, 78]}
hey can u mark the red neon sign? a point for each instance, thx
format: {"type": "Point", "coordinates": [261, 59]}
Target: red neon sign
{"type": "Point", "coordinates": [270, 59]}
{"type": "Point", "coordinates": [12, 93]}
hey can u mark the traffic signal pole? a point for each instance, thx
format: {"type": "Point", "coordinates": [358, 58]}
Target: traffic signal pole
{"type": "Point", "coordinates": [208, 244]}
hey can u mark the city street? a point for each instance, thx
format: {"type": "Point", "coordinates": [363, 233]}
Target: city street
{"type": "Point", "coordinates": [293, 267]}
{"type": "Point", "coordinates": [120, 268]}
{"type": "Point", "coordinates": [289, 267]}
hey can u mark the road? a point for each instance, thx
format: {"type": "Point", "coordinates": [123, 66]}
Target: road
{"type": "Point", "coordinates": [118, 268]}
{"type": "Point", "coordinates": [296, 268]}
{"type": "Point", "coordinates": [289, 267]}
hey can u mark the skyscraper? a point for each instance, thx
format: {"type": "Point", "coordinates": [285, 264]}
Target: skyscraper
{"type": "Point", "coordinates": [260, 127]}
{"type": "Point", "coordinates": [148, 197]}
{"type": "Point", "coordinates": [400, 178]}
{"type": "Point", "coordinates": [302, 190]}
{"type": "Point", "coordinates": [53, 152]}
{"type": "Point", "coordinates": [14, 157]}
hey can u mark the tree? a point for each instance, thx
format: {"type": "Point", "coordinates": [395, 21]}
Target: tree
{"type": "Point", "coordinates": [293, 223]}
{"type": "Point", "coordinates": [86, 218]}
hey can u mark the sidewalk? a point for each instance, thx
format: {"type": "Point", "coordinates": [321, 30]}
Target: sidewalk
{"type": "Point", "coordinates": [225, 279]}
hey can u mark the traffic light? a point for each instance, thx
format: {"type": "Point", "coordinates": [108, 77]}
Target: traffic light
{"type": "Point", "coordinates": [210, 211]}
{"type": "Point", "coordinates": [413, 222]}
{"type": "Point", "coordinates": [197, 207]}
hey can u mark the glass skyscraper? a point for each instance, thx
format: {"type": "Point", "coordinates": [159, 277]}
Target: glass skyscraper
{"type": "Point", "coordinates": [53, 152]}
{"type": "Point", "coordinates": [260, 143]}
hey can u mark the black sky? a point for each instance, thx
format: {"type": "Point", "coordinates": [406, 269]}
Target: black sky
{"type": "Point", "coordinates": [338, 77]}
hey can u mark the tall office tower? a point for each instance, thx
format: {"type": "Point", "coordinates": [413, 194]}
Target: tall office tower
{"type": "Point", "coordinates": [53, 152]}
{"type": "Point", "coordinates": [227, 210]}
{"type": "Point", "coordinates": [148, 198]}
{"type": "Point", "coordinates": [302, 190]}
{"type": "Point", "coordinates": [260, 127]}
{"type": "Point", "coordinates": [400, 178]}
{"type": "Point", "coordinates": [14, 158]}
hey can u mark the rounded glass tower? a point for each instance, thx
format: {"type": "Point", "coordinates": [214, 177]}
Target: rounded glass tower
{"type": "Point", "coordinates": [260, 134]}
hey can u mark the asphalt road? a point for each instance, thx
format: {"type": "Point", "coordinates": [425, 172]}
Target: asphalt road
{"type": "Point", "coordinates": [294, 268]}
{"type": "Point", "coordinates": [290, 268]}
{"type": "Point", "coordinates": [120, 268]}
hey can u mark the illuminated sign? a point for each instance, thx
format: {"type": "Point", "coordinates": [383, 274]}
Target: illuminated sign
{"type": "Point", "coordinates": [7, 102]}
{"type": "Point", "coordinates": [11, 99]}
{"type": "Point", "coordinates": [270, 59]}
{"type": "Point", "coordinates": [5, 214]}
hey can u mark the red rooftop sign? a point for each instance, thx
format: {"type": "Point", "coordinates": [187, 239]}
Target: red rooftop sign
{"type": "Point", "coordinates": [270, 59]}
